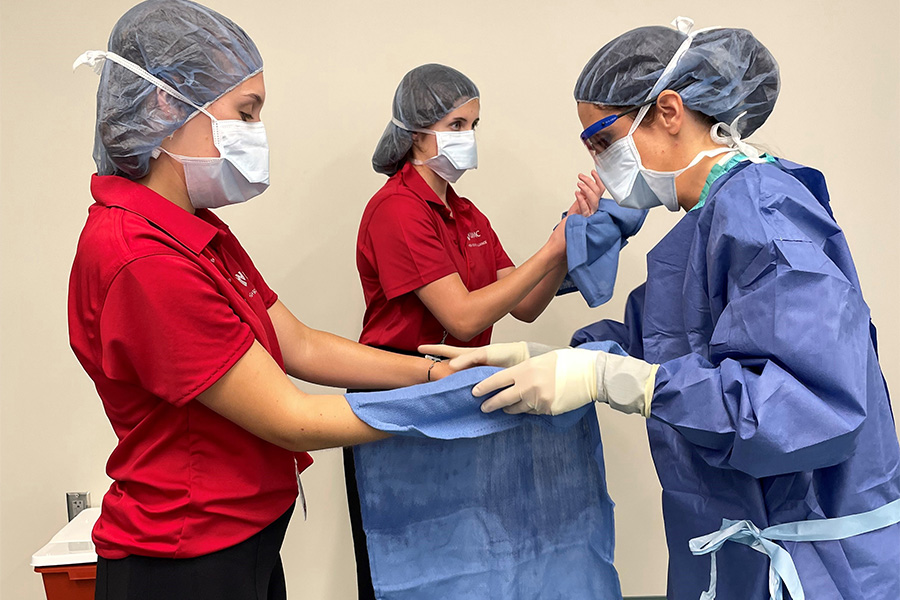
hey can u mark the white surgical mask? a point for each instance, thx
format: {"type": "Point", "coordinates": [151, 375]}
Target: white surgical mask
{"type": "Point", "coordinates": [457, 152]}
{"type": "Point", "coordinates": [635, 186]}
{"type": "Point", "coordinates": [240, 172]}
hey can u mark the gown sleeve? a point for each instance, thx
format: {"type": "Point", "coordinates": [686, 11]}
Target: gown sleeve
{"type": "Point", "coordinates": [627, 334]}
{"type": "Point", "coordinates": [783, 387]}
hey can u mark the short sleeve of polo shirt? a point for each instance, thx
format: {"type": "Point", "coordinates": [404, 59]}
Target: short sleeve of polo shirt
{"type": "Point", "coordinates": [165, 328]}
{"type": "Point", "coordinates": [500, 255]}
{"type": "Point", "coordinates": [268, 296]}
{"type": "Point", "coordinates": [407, 246]}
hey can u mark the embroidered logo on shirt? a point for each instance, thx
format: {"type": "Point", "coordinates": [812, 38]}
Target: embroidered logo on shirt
{"type": "Point", "coordinates": [473, 235]}
{"type": "Point", "coordinates": [241, 277]}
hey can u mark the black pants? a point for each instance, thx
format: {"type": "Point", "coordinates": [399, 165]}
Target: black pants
{"type": "Point", "coordinates": [363, 573]}
{"type": "Point", "coordinates": [250, 570]}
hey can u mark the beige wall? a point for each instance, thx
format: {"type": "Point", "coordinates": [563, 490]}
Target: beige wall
{"type": "Point", "coordinates": [331, 69]}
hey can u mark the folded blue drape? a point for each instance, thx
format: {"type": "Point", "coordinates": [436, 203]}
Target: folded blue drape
{"type": "Point", "coordinates": [592, 249]}
{"type": "Point", "coordinates": [463, 504]}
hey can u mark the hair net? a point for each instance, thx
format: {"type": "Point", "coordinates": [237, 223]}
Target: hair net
{"type": "Point", "coordinates": [425, 95]}
{"type": "Point", "coordinates": [194, 49]}
{"type": "Point", "coordinates": [723, 73]}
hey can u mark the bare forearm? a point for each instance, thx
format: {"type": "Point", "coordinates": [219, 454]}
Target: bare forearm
{"type": "Point", "coordinates": [327, 422]}
{"type": "Point", "coordinates": [331, 360]}
{"type": "Point", "coordinates": [493, 302]}
{"type": "Point", "coordinates": [257, 396]}
{"type": "Point", "coordinates": [465, 314]}
{"type": "Point", "coordinates": [531, 307]}
{"type": "Point", "coordinates": [323, 358]}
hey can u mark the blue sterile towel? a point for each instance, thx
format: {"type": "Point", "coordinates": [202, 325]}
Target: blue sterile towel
{"type": "Point", "coordinates": [592, 249]}
{"type": "Point", "coordinates": [463, 504]}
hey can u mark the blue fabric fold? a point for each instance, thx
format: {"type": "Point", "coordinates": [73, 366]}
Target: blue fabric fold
{"type": "Point", "coordinates": [444, 410]}
{"type": "Point", "coordinates": [592, 249]}
{"type": "Point", "coordinates": [463, 504]}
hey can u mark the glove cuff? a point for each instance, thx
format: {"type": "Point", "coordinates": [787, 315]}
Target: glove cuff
{"type": "Point", "coordinates": [627, 383]}
{"type": "Point", "coordinates": [649, 387]}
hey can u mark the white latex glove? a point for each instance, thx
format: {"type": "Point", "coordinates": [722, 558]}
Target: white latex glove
{"type": "Point", "coordinates": [563, 380]}
{"type": "Point", "coordinates": [549, 384]}
{"type": "Point", "coordinates": [495, 355]}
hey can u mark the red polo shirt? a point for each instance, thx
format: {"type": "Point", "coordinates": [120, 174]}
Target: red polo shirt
{"type": "Point", "coordinates": [407, 239]}
{"type": "Point", "coordinates": [161, 304]}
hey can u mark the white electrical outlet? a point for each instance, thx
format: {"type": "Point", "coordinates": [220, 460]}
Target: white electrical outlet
{"type": "Point", "coordinates": [77, 502]}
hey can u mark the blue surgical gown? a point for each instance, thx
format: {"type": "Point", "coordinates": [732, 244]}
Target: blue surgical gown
{"type": "Point", "coordinates": [769, 404]}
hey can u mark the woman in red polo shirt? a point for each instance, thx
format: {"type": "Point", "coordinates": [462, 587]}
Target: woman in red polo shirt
{"type": "Point", "coordinates": [187, 345]}
{"type": "Point", "coordinates": [432, 268]}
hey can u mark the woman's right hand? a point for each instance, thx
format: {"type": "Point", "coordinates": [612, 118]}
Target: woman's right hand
{"type": "Point", "coordinates": [557, 241]}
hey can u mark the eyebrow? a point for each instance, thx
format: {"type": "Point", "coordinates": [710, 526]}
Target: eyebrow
{"type": "Point", "coordinates": [256, 97]}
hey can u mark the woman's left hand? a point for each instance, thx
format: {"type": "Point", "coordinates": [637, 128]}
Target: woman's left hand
{"type": "Point", "coordinates": [587, 196]}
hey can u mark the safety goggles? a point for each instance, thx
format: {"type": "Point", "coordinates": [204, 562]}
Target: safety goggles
{"type": "Point", "coordinates": [595, 145]}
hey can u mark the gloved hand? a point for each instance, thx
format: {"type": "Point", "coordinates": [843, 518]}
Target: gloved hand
{"type": "Point", "coordinates": [563, 380]}
{"type": "Point", "coordinates": [495, 355]}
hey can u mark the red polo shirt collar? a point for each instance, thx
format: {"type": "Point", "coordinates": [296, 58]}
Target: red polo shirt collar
{"type": "Point", "coordinates": [195, 231]}
{"type": "Point", "coordinates": [413, 181]}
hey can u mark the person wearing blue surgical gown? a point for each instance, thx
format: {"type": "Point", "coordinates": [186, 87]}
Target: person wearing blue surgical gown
{"type": "Point", "coordinates": [751, 349]}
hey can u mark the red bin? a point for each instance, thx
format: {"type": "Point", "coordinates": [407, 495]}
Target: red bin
{"type": "Point", "coordinates": [69, 582]}
{"type": "Point", "coordinates": [68, 563]}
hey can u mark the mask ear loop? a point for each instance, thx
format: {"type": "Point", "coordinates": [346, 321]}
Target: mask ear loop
{"type": "Point", "coordinates": [684, 25]}
{"type": "Point", "coordinates": [96, 58]}
{"type": "Point", "coordinates": [402, 126]}
{"type": "Point", "coordinates": [638, 118]}
{"type": "Point", "coordinates": [398, 123]}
